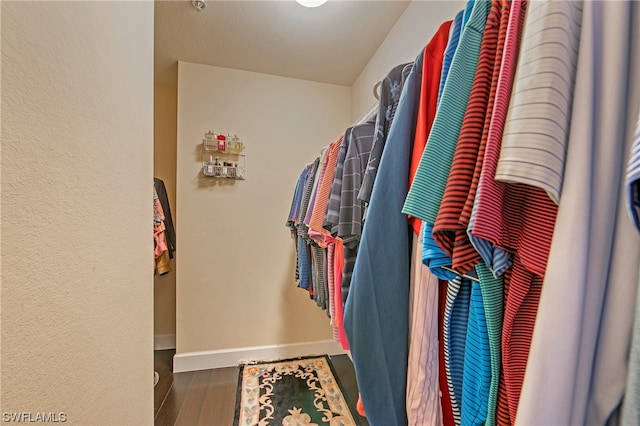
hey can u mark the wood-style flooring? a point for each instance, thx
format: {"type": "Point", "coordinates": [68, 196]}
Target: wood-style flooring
{"type": "Point", "coordinates": [208, 397]}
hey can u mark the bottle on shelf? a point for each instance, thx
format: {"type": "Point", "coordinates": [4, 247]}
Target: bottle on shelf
{"type": "Point", "coordinates": [210, 140]}
{"type": "Point", "coordinates": [236, 145]}
{"type": "Point", "coordinates": [209, 166]}
{"type": "Point", "coordinates": [222, 143]}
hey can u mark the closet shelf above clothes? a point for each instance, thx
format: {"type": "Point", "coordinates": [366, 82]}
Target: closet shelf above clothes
{"type": "Point", "coordinates": [223, 156]}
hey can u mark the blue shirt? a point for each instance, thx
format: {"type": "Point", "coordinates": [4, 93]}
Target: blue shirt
{"type": "Point", "coordinates": [376, 317]}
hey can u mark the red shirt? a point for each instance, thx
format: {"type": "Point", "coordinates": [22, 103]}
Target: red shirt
{"type": "Point", "coordinates": [431, 70]}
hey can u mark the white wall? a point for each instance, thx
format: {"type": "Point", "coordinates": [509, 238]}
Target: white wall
{"type": "Point", "coordinates": [235, 270]}
{"type": "Point", "coordinates": [409, 35]}
{"type": "Point", "coordinates": [77, 139]}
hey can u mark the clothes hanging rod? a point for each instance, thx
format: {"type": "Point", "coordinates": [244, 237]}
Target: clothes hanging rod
{"type": "Point", "coordinates": [469, 277]}
{"type": "Point", "coordinates": [372, 111]}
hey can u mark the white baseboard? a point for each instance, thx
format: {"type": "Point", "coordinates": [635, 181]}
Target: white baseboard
{"type": "Point", "coordinates": [164, 341]}
{"type": "Point", "coordinates": [205, 360]}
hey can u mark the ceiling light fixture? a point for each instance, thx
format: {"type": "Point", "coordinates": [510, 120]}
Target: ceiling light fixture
{"type": "Point", "coordinates": [311, 3]}
{"type": "Point", "coordinates": [199, 5]}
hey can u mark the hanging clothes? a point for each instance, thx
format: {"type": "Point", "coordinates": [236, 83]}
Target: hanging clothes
{"type": "Point", "coordinates": [423, 400]}
{"type": "Point", "coordinates": [491, 287]}
{"type": "Point", "coordinates": [633, 180]}
{"type": "Point", "coordinates": [481, 157]}
{"type": "Point", "coordinates": [323, 238]}
{"type": "Point", "coordinates": [390, 90]}
{"type": "Point", "coordinates": [580, 381]}
{"type": "Point", "coordinates": [169, 230]}
{"type": "Point", "coordinates": [472, 385]}
{"type": "Point", "coordinates": [425, 195]}
{"type": "Point", "coordinates": [631, 404]}
{"type": "Point", "coordinates": [316, 230]}
{"type": "Point", "coordinates": [376, 311]}
{"type": "Point", "coordinates": [161, 255]}
{"type": "Point", "coordinates": [345, 211]}
{"type": "Point", "coordinates": [303, 254]}
{"type": "Point", "coordinates": [424, 406]}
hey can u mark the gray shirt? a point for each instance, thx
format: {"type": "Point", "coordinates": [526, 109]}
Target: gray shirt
{"type": "Point", "coordinates": [390, 90]}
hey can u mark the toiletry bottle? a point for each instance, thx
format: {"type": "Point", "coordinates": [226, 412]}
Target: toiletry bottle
{"type": "Point", "coordinates": [222, 143]}
{"type": "Point", "coordinates": [210, 166]}
{"type": "Point", "coordinates": [216, 167]}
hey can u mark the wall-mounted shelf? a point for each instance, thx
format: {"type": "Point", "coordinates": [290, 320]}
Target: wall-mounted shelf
{"type": "Point", "coordinates": [223, 156]}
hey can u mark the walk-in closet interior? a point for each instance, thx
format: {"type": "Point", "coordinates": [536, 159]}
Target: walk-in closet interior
{"type": "Point", "coordinates": [441, 196]}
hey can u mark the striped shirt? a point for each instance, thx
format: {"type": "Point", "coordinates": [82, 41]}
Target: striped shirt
{"type": "Point", "coordinates": [303, 230]}
{"type": "Point", "coordinates": [456, 317]}
{"type": "Point", "coordinates": [431, 70]}
{"type": "Point", "coordinates": [595, 247]}
{"type": "Point", "coordinates": [319, 292]}
{"type": "Point", "coordinates": [331, 248]}
{"type": "Point", "coordinates": [633, 180]}
{"type": "Point", "coordinates": [451, 223]}
{"type": "Point", "coordinates": [443, 377]}
{"type": "Point", "coordinates": [477, 362]}
{"type": "Point", "coordinates": [496, 259]}
{"type": "Point", "coordinates": [491, 289]}
{"type": "Point", "coordinates": [522, 294]}
{"type": "Point", "coordinates": [355, 163]}
{"type": "Point", "coordinates": [332, 217]}
{"type": "Point", "coordinates": [535, 135]}
{"type": "Point", "coordinates": [452, 45]}
{"type": "Point", "coordinates": [521, 218]}
{"type": "Point", "coordinates": [293, 214]}
{"type": "Point", "coordinates": [302, 254]}
{"type": "Point", "coordinates": [316, 230]}
{"type": "Point", "coordinates": [314, 191]}
{"type": "Point", "coordinates": [297, 196]}
{"type": "Point", "coordinates": [390, 90]}
{"type": "Point", "coordinates": [337, 293]}
{"type": "Point", "coordinates": [450, 226]}
{"type": "Point", "coordinates": [345, 210]}
{"type": "Point", "coordinates": [425, 195]}
{"type": "Point", "coordinates": [423, 391]}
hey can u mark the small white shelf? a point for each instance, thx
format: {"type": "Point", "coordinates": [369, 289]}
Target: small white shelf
{"type": "Point", "coordinates": [226, 172]}
{"type": "Point", "coordinates": [223, 157]}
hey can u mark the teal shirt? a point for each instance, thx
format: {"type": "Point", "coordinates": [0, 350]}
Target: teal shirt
{"type": "Point", "coordinates": [425, 195]}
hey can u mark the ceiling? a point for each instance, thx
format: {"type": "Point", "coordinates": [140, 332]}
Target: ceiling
{"type": "Point", "coordinates": [331, 43]}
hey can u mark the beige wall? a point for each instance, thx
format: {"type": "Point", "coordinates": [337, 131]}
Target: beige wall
{"type": "Point", "coordinates": [164, 167]}
{"type": "Point", "coordinates": [409, 35]}
{"type": "Point", "coordinates": [77, 321]}
{"type": "Point", "coordinates": [235, 270]}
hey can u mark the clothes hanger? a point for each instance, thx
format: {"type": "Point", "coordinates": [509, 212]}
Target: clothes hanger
{"type": "Point", "coordinates": [469, 277]}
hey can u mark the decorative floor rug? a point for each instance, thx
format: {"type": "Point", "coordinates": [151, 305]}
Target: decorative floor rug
{"type": "Point", "coordinates": [292, 392]}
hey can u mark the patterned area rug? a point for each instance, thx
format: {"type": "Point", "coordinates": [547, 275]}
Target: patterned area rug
{"type": "Point", "coordinates": [292, 392]}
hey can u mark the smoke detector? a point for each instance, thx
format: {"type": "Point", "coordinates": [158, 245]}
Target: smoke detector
{"type": "Point", "coordinates": [199, 5]}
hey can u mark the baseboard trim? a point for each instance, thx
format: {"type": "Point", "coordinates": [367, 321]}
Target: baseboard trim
{"type": "Point", "coordinates": [205, 360]}
{"type": "Point", "coordinates": [164, 341]}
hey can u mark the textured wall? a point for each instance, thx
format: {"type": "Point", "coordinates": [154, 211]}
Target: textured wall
{"type": "Point", "coordinates": [164, 154]}
{"type": "Point", "coordinates": [77, 129]}
{"type": "Point", "coordinates": [235, 271]}
{"type": "Point", "coordinates": [409, 35]}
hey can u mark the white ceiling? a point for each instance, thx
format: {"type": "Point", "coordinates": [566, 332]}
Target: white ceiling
{"type": "Point", "coordinates": [331, 43]}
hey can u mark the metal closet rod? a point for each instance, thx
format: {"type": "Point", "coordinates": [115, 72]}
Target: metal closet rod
{"type": "Point", "coordinates": [469, 277]}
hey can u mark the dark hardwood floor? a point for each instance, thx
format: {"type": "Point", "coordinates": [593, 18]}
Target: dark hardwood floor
{"type": "Point", "coordinates": [208, 397]}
